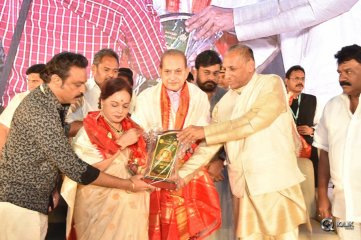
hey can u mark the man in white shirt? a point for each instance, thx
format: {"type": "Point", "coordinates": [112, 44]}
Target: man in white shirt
{"type": "Point", "coordinates": [308, 33]}
{"type": "Point", "coordinates": [105, 66]}
{"type": "Point", "coordinates": [34, 80]}
{"type": "Point", "coordinates": [171, 105]}
{"type": "Point", "coordinates": [338, 138]}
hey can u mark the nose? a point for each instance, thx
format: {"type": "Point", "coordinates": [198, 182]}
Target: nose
{"type": "Point", "coordinates": [83, 88]}
{"type": "Point", "coordinates": [112, 74]}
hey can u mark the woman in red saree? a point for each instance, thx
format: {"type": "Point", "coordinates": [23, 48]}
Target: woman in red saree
{"type": "Point", "coordinates": [112, 142]}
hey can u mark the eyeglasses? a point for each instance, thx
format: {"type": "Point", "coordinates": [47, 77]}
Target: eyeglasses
{"type": "Point", "coordinates": [298, 79]}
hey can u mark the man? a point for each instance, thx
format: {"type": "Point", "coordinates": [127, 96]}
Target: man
{"type": "Point", "coordinates": [337, 136]}
{"type": "Point", "coordinates": [37, 150]}
{"type": "Point", "coordinates": [208, 66]}
{"type": "Point", "coordinates": [173, 104]}
{"type": "Point", "coordinates": [300, 27]}
{"type": "Point", "coordinates": [303, 107]}
{"type": "Point", "coordinates": [255, 126]}
{"type": "Point", "coordinates": [105, 66]}
{"type": "Point", "coordinates": [34, 80]}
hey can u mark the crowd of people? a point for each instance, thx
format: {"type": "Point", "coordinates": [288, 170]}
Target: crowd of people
{"type": "Point", "coordinates": [240, 179]}
{"type": "Point", "coordinates": [85, 139]}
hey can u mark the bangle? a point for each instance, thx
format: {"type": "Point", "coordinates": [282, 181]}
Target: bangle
{"type": "Point", "coordinates": [133, 186]}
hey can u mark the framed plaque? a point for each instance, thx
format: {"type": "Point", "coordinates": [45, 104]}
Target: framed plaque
{"type": "Point", "coordinates": [177, 37]}
{"type": "Point", "coordinates": [162, 160]}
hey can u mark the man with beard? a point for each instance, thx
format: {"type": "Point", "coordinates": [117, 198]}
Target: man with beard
{"type": "Point", "coordinates": [208, 66]}
{"type": "Point", "coordinates": [105, 66]}
{"type": "Point", "coordinates": [303, 109]}
{"type": "Point", "coordinates": [338, 138]}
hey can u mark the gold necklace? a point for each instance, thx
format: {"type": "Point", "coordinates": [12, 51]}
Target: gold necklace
{"type": "Point", "coordinates": [112, 127]}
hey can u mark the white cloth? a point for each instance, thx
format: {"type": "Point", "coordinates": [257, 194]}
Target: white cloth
{"type": "Point", "coordinates": [277, 154]}
{"type": "Point", "coordinates": [147, 108]}
{"type": "Point", "coordinates": [33, 225]}
{"type": "Point", "coordinates": [104, 213]}
{"type": "Point", "coordinates": [147, 114]}
{"type": "Point", "coordinates": [90, 102]}
{"type": "Point", "coordinates": [8, 113]}
{"type": "Point", "coordinates": [338, 133]}
{"type": "Point", "coordinates": [309, 33]}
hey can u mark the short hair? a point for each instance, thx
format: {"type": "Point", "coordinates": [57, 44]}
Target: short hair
{"type": "Point", "coordinates": [103, 53]}
{"type": "Point", "coordinates": [173, 52]}
{"type": "Point", "coordinates": [36, 68]}
{"type": "Point", "coordinates": [190, 77]}
{"type": "Point", "coordinates": [207, 58]}
{"type": "Point", "coordinates": [347, 53]}
{"type": "Point", "coordinates": [114, 85]}
{"type": "Point", "coordinates": [61, 63]}
{"type": "Point", "coordinates": [243, 50]}
{"type": "Point", "coordinates": [294, 68]}
{"type": "Point", "coordinates": [128, 74]}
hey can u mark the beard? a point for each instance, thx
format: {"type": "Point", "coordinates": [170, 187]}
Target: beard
{"type": "Point", "coordinates": [207, 86]}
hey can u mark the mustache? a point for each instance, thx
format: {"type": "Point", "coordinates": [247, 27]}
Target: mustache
{"type": "Point", "coordinates": [345, 84]}
{"type": "Point", "coordinates": [80, 95]}
{"type": "Point", "coordinates": [299, 85]}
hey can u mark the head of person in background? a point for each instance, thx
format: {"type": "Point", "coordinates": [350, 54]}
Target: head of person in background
{"type": "Point", "coordinates": [105, 65]}
{"type": "Point", "coordinates": [33, 76]}
{"type": "Point", "coordinates": [349, 70]}
{"type": "Point", "coordinates": [208, 66]}
{"type": "Point", "coordinates": [173, 69]}
{"type": "Point", "coordinates": [115, 97]}
{"type": "Point", "coordinates": [128, 74]}
{"type": "Point", "coordinates": [221, 78]}
{"type": "Point", "coordinates": [66, 76]}
{"type": "Point", "coordinates": [295, 80]}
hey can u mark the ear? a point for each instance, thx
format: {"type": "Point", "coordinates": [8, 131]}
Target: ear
{"type": "Point", "coordinates": [55, 80]}
{"type": "Point", "coordinates": [93, 69]}
{"type": "Point", "coordinates": [250, 66]}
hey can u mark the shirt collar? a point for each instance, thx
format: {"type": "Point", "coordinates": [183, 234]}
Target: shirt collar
{"type": "Point", "coordinates": [53, 99]}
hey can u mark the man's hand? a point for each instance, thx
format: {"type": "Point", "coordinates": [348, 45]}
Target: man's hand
{"type": "Point", "coordinates": [215, 169]}
{"type": "Point", "coordinates": [137, 184]}
{"type": "Point", "coordinates": [191, 134]}
{"type": "Point", "coordinates": [211, 20]}
{"type": "Point", "coordinates": [324, 207]}
{"type": "Point", "coordinates": [305, 130]}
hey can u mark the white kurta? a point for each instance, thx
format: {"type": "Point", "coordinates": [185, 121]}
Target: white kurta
{"type": "Point", "coordinates": [90, 102]}
{"type": "Point", "coordinates": [338, 133]}
{"type": "Point", "coordinates": [8, 113]}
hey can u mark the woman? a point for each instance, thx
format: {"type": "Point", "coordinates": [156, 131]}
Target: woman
{"type": "Point", "coordinates": [112, 142]}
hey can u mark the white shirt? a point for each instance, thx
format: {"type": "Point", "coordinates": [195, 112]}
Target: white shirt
{"type": "Point", "coordinates": [7, 115]}
{"type": "Point", "coordinates": [90, 102]}
{"type": "Point", "coordinates": [338, 133]}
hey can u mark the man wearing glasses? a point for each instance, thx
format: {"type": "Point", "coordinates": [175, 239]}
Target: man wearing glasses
{"type": "Point", "coordinates": [303, 109]}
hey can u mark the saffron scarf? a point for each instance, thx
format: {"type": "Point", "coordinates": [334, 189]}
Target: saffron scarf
{"type": "Point", "coordinates": [103, 137]}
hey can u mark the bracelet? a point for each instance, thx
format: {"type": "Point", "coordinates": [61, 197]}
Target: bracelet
{"type": "Point", "coordinates": [133, 186]}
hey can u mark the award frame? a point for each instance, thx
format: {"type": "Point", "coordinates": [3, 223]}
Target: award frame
{"type": "Point", "coordinates": [162, 160]}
